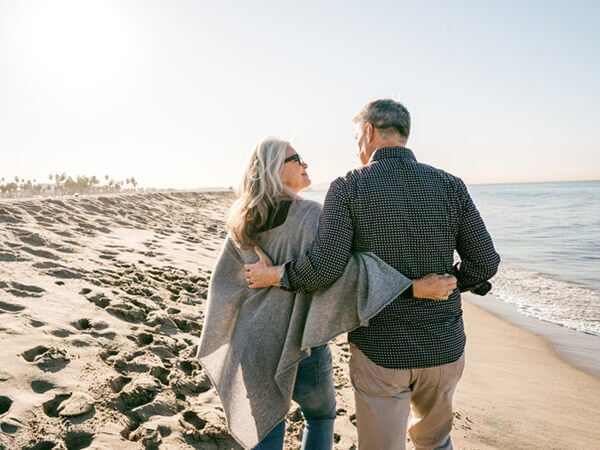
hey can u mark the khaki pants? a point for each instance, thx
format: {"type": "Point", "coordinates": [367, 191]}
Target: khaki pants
{"type": "Point", "coordinates": [384, 398]}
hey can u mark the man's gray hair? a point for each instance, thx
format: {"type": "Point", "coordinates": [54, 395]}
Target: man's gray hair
{"type": "Point", "coordinates": [386, 114]}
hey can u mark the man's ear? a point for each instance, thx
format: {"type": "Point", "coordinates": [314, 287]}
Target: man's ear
{"type": "Point", "coordinates": [369, 131]}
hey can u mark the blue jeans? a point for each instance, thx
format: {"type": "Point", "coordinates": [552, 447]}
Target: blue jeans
{"type": "Point", "coordinates": [315, 394]}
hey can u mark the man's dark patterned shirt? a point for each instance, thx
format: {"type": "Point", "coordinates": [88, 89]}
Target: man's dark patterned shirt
{"type": "Point", "coordinates": [414, 217]}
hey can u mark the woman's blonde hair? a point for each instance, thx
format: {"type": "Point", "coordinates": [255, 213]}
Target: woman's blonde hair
{"type": "Point", "coordinates": [261, 189]}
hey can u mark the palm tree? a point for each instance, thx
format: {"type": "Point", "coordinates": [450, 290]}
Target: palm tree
{"type": "Point", "coordinates": [94, 182]}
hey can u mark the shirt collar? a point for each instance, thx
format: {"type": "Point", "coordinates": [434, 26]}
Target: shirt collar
{"type": "Point", "coordinates": [393, 152]}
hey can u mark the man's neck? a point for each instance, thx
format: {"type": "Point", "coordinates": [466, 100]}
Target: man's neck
{"type": "Point", "coordinates": [385, 144]}
{"type": "Point", "coordinates": [390, 143]}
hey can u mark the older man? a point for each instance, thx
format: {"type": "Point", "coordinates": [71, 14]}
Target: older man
{"type": "Point", "coordinates": [414, 217]}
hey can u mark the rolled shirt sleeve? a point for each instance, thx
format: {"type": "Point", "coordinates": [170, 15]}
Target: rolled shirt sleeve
{"type": "Point", "coordinates": [479, 260]}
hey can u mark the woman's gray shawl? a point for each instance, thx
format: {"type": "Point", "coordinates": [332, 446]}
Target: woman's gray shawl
{"type": "Point", "coordinates": [252, 340]}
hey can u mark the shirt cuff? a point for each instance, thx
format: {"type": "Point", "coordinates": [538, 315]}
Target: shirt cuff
{"type": "Point", "coordinates": [481, 288]}
{"type": "Point", "coordinates": [284, 281]}
{"type": "Point", "coordinates": [408, 293]}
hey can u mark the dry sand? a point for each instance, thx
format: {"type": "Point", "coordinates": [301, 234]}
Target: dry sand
{"type": "Point", "coordinates": [101, 306]}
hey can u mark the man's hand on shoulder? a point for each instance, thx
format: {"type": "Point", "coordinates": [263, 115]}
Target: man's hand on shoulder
{"type": "Point", "coordinates": [262, 273]}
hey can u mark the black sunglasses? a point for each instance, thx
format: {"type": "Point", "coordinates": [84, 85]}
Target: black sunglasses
{"type": "Point", "coordinates": [294, 157]}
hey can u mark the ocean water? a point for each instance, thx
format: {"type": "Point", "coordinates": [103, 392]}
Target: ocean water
{"type": "Point", "coordinates": [548, 236]}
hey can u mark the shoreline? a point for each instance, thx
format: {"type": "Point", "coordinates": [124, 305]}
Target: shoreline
{"type": "Point", "coordinates": [518, 393]}
{"type": "Point", "coordinates": [581, 350]}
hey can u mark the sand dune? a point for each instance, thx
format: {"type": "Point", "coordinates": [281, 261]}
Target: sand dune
{"type": "Point", "coordinates": [101, 306]}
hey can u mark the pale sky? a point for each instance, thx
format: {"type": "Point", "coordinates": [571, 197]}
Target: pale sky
{"type": "Point", "coordinates": [176, 93]}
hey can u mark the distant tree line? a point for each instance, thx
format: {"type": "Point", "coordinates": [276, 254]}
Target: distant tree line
{"type": "Point", "coordinates": [61, 184]}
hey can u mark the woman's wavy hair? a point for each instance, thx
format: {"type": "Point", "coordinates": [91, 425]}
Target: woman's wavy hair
{"type": "Point", "coordinates": [260, 190]}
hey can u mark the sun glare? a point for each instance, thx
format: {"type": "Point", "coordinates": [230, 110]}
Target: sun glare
{"type": "Point", "coordinates": [76, 43]}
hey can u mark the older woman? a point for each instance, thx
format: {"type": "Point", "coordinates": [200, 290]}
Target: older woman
{"type": "Point", "coordinates": [263, 348]}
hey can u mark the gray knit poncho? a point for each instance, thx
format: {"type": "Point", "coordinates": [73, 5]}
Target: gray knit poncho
{"type": "Point", "coordinates": [252, 340]}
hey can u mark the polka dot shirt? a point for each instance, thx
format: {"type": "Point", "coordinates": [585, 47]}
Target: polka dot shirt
{"type": "Point", "coordinates": [414, 217]}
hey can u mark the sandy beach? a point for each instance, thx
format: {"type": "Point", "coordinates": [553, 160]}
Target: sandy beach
{"type": "Point", "coordinates": [101, 305]}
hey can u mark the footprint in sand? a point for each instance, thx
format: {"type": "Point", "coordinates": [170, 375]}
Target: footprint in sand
{"type": "Point", "coordinates": [36, 323]}
{"type": "Point", "coordinates": [188, 366]}
{"type": "Point", "coordinates": [147, 435]}
{"type": "Point", "coordinates": [144, 339]}
{"type": "Point", "coordinates": [63, 248]}
{"type": "Point", "coordinates": [41, 445]}
{"type": "Point", "coordinates": [127, 312]}
{"type": "Point", "coordinates": [110, 335]}
{"type": "Point", "coordinates": [9, 216]}
{"type": "Point", "coordinates": [140, 391]}
{"type": "Point", "coordinates": [161, 373]}
{"type": "Point", "coordinates": [10, 307]}
{"type": "Point", "coordinates": [85, 229]}
{"type": "Point", "coordinates": [192, 418]}
{"type": "Point", "coordinates": [76, 404]}
{"type": "Point", "coordinates": [82, 324]}
{"type": "Point", "coordinates": [33, 239]}
{"type": "Point", "coordinates": [193, 327]}
{"type": "Point", "coordinates": [32, 353]}
{"type": "Point", "coordinates": [45, 221]}
{"type": "Point", "coordinates": [460, 422]}
{"type": "Point", "coordinates": [8, 256]}
{"type": "Point", "coordinates": [10, 426]}
{"type": "Point", "coordinates": [65, 233]}
{"type": "Point", "coordinates": [108, 254]}
{"type": "Point", "coordinates": [46, 265]}
{"type": "Point", "coordinates": [25, 290]}
{"type": "Point", "coordinates": [5, 404]}
{"type": "Point", "coordinates": [163, 405]}
{"type": "Point", "coordinates": [117, 384]}
{"type": "Point", "coordinates": [127, 361]}
{"type": "Point", "coordinates": [188, 385]}
{"type": "Point", "coordinates": [47, 359]}
{"type": "Point", "coordinates": [27, 287]}
{"type": "Point", "coordinates": [100, 325]}
{"type": "Point", "coordinates": [20, 293]}
{"type": "Point", "coordinates": [207, 426]}
{"type": "Point", "coordinates": [41, 386]}
{"type": "Point", "coordinates": [41, 253]}
{"type": "Point", "coordinates": [99, 299]}
{"type": "Point", "coordinates": [76, 440]}
{"type": "Point", "coordinates": [51, 406]}
{"type": "Point", "coordinates": [61, 333]}
{"type": "Point", "coordinates": [107, 355]}
{"type": "Point", "coordinates": [65, 273]}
